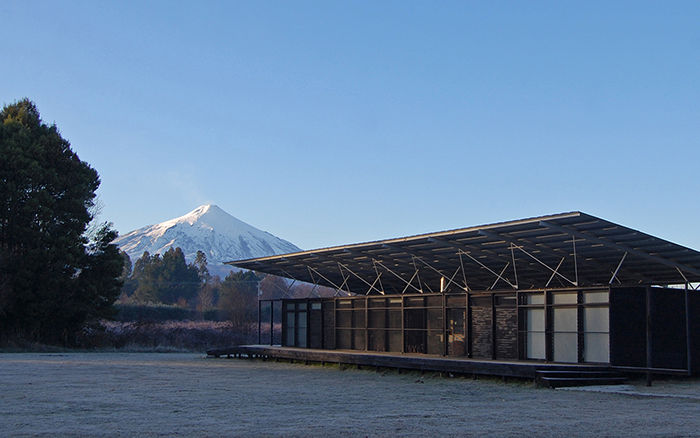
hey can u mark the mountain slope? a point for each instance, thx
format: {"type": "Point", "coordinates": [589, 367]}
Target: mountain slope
{"type": "Point", "coordinates": [209, 229]}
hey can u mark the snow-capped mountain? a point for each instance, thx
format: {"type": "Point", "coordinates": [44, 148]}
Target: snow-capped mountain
{"type": "Point", "coordinates": [209, 229]}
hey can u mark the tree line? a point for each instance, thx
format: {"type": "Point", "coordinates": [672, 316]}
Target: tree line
{"type": "Point", "coordinates": [169, 279]}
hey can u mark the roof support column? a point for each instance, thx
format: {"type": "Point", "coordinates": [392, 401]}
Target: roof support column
{"type": "Point", "coordinates": [619, 265]}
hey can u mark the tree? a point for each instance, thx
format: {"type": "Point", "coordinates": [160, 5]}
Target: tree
{"type": "Point", "coordinates": [200, 262]}
{"type": "Point", "coordinates": [238, 298]}
{"type": "Point", "coordinates": [129, 282]}
{"type": "Point", "coordinates": [272, 287]}
{"type": "Point", "coordinates": [167, 279]}
{"type": "Point", "coordinates": [48, 265]}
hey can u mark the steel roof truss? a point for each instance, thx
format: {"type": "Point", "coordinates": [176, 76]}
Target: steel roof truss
{"type": "Point", "coordinates": [408, 283]}
{"type": "Point", "coordinates": [371, 286]}
{"type": "Point", "coordinates": [619, 265]}
{"type": "Point", "coordinates": [621, 248]}
{"type": "Point", "coordinates": [464, 273]}
{"type": "Point", "coordinates": [374, 264]}
{"type": "Point", "coordinates": [498, 276]}
{"type": "Point", "coordinates": [440, 272]}
{"type": "Point", "coordinates": [554, 272]}
{"type": "Point", "coordinates": [519, 246]}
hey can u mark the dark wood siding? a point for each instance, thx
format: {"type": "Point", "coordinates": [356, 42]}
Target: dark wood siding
{"type": "Point", "coordinates": [329, 325]}
{"type": "Point", "coordinates": [668, 329]}
{"type": "Point", "coordinates": [694, 307]}
{"type": "Point", "coordinates": [506, 332]}
{"type": "Point", "coordinates": [315, 325]}
{"type": "Point", "coordinates": [481, 327]}
{"type": "Point", "coordinates": [627, 327]}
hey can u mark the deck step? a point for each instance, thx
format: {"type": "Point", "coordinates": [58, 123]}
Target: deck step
{"type": "Point", "coordinates": [560, 378]}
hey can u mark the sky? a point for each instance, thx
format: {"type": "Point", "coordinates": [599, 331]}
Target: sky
{"type": "Point", "coordinates": [334, 122]}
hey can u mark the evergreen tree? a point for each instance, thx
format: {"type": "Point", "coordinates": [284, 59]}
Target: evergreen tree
{"type": "Point", "coordinates": [167, 279]}
{"type": "Point", "coordinates": [238, 298]}
{"type": "Point", "coordinates": [200, 262]}
{"type": "Point", "coordinates": [48, 284]}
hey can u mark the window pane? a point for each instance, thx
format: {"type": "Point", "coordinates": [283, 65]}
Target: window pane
{"type": "Point", "coordinates": [435, 319]}
{"type": "Point", "coordinates": [343, 318]}
{"type": "Point", "coordinates": [535, 345]}
{"type": "Point", "coordinates": [534, 320]}
{"type": "Point", "coordinates": [394, 340]}
{"type": "Point", "coordinates": [377, 318]}
{"type": "Point", "coordinates": [394, 302]}
{"type": "Point", "coordinates": [415, 341]}
{"type": "Point", "coordinates": [301, 320]}
{"type": "Point", "coordinates": [377, 340]}
{"type": "Point", "coordinates": [343, 339]}
{"type": "Point", "coordinates": [358, 320]}
{"type": "Point", "coordinates": [457, 301]}
{"type": "Point", "coordinates": [565, 347]}
{"type": "Point", "coordinates": [301, 342]}
{"type": "Point", "coordinates": [343, 304]}
{"type": "Point", "coordinates": [565, 320]}
{"type": "Point", "coordinates": [376, 302]}
{"type": "Point", "coordinates": [534, 299]}
{"type": "Point", "coordinates": [289, 330]}
{"type": "Point", "coordinates": [595, 297]}
{"type": "Point", "coordinates": [395, 319]}
{"type": "Point", "coordinates": [415, 318]}
{"type": "Point", "coordinates": [359, 336]}
{"type": "Point", "coordinates": [595, 319]}
{"type": "Point", "coordinates": [414, 302]}
{"type": "Point", "coordinates": [434, 301]}
{"type": "Point", "coordinates": [596, 347]}
{"type": "Point", "coordinates": [564, 298]}
{"type": "Point", "coordinates": [435, 342]}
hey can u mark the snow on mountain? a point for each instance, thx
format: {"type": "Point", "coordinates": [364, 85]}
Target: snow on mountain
{"type": "Point", "coordinates": [209, 229]}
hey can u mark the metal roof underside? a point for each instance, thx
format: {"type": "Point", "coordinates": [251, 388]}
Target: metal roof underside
{"type": "Point", "coordinates": [562, 250]}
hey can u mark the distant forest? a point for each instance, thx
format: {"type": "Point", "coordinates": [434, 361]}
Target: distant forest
{"type": "Point", "coordinates": [170, 280]}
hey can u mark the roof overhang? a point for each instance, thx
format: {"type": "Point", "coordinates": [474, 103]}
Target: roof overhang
{"type": "Point", "coordinates": [562, 250]}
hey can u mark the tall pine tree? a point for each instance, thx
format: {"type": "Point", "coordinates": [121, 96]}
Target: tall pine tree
{"type": "Point", "coordinates": [52, 277]}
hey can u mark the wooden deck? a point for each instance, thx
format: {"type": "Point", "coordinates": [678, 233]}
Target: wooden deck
{"type": "Point", "coordinates": [420, 362]}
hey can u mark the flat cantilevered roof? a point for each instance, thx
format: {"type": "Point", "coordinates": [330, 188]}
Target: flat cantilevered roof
{"type": "Point", "coordinates": [562, 250]}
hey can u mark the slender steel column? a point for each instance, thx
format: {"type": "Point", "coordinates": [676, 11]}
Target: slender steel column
{"type": "Point", "coordinates": [259, 324]}
{"type": "Point", "coordinates": [648, 332]}
{"type": "Point", "coordinates": [688, 344]}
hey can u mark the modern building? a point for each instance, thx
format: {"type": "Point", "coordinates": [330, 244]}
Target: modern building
{"type": "Point", "coordinates": [568, 288]}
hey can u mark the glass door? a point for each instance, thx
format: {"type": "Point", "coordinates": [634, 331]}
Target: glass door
{"type": "Point", "coordinates": [456, 339]}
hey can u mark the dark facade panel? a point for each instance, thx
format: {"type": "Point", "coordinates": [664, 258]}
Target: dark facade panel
{"type": "Point", "coordinates": [328, 324]}
{"type": "Point", "coordinates": [481, 327]}
{"type": "Point", "coordinates": [694, 329]}
{"type": "Point", "coordinates": [668, 344]}
{"type": "Point", "coordinates": [627, 327]}
{"type": "Point", "coordinates": [506, 332]}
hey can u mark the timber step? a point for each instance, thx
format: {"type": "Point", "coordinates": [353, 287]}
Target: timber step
{"type": "Point", "coordinates": [560, 378]}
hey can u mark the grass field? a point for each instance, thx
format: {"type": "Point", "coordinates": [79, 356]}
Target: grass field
{"type": "Point", "coordinates": [151, 394]}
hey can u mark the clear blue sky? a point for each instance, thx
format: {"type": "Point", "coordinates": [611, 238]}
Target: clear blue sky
{"type": "Point", "coordinates": [337, 122]}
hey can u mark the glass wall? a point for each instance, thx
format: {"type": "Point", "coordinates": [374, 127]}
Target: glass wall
{"type": "Point", "coordinates": [569, 326]}
{"type": "Point", "coordinates": [533, 316]}
{"type": "Point", "coordinates": [596, 327]}
{"type": "Point", "coordinates": [564, 326]}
